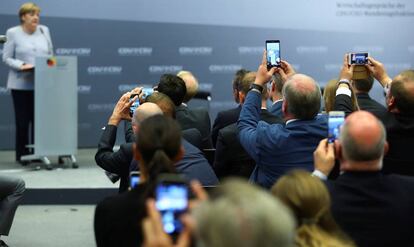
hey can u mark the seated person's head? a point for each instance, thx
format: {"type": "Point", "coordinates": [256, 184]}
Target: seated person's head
{"type": "Point", "coordinates": [359, 149]}
{"type": "Point", "coordinates": [236, 81]}
{"type": "Point", "coordinates": [143, 112]}
{"type": "Point", "coordinates": [310, 202]}
{"type": "Point", "coordinates": [191, 83]}
{"type": "Point", "coordinates": [164, 102]}
{"type": "Point", "coordinates": [174, 87]}
{"type": "Point", "coordinates": [401, 95]}
{"type": "Point", "coordinates": [158, 147]}
{"type": "Point", "coordinates": [363, 85]}
{"type": "Point", "coordinates": [241, 214]}
{"type": "Point", "coordinates": [302, 98]}
{"type": "Point", "coordinates": [276, 87]}
{"type": "Point", "coordinates": [329, 94]}
{"type": "Point", "coordinates": [244, 85]}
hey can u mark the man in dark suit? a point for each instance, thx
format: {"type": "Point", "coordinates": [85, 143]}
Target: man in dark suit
{"type": "Point", "coordinates": [174, 87]}
{"type": "Point", "coordinates": [399, 119]}
{"type": "Point", "coordinates": [230, 116]}
{"type": "Point", "coordinates": [193, 164]}
{"type": "Point", "coordinates": [230, 158]}
{"type": "Point", "coordinates": [365, 102]}
{"type": "Point", "coordinates": [372, 208]}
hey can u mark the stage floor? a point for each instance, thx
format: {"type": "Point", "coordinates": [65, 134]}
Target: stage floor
{"type": "Point", "coordinates": [88, 175]}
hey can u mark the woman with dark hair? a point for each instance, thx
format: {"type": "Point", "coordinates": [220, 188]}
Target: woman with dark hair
{"type": "Point", "coordinates": [310, 202]}
{"type": "Point", "coordinates": [118, 218]}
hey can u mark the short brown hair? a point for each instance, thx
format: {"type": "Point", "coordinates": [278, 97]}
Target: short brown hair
{"type": "Point", "coordinates": [28, 8]}
{"type": "Point", "coordinates": [164, 102]}
{"type": "Point", "coordinates": [404, 99]}
{"type": "Point", "coordinates": [246, 81]}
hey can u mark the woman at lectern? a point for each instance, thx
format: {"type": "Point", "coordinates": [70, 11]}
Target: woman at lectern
{"type": "Point", "coordinates": [24, 43]}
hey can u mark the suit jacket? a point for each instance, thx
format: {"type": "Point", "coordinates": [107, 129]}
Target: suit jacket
{"type": "Point", "coordinates": [118, 218]}
{"type": "Point", "coordinates": [277, 148]}
{"type": "Point", "coordinates": [230, 158]}
{"type": "Point", "coordinates": [23, 48]}
{"type": "Point", "coordinates": [276, 109]}
{"type": "Point", "coordinates": [193, 164]}
{"type": "Point", "coordinates": [195, 118]}
{"type": "Point", "coordinates": [367, 104]}
{"type": "Point", "coordinates": [223, 119]}
{"type": "Point", "coordinates": [374, 209]}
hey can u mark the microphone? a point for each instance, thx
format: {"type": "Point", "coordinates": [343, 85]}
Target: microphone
{"type": "Point", "coordinates": [49, 46]}
{"type": "Point", "coordinates": [3, 39]}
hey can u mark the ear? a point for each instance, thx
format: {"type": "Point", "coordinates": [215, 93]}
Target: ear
{"type": "Point", "coordinates": [236, 95]}
{"type": "Point", "coordinates": [242, 97]}
{"type": "Point", "coordinates": [285, 108]}
{"type": "Point", "coordinates": [136, 152]}
{"type": "Point", "coordinates": [273, 87]}
{"type": "Point", "coordinates": [338, 150]}
{"type": "Point", "coordinates": [135, 128]}
{"type": "Point", "coordinates": [391, 102]}
{"type": "Point", "coordinates": [386, 148]}
{"type": "Point", "coordinates": [179, 155]}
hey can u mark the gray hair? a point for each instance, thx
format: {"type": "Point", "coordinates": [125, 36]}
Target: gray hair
{"type": "Point", "coordinates": [243, 215]}
{"type": "Point", "coordinates": [301, 104]}
{"type": "Point", "coordinates": [354, 151]}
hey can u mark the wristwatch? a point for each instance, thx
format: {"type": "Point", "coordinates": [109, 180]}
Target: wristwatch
{"type": "Point", "coordinates": [344, 81]}
{"type": "Point", "coordinates": [256, 87]}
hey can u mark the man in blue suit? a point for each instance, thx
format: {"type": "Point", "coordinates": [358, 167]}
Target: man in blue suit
{"type": "Point", "coordinates": [276, 148]}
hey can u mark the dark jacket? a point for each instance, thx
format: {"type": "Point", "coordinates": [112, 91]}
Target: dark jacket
{"type": "Point", "coordinates": [223, 119]}
{"type": "Point", "coordinates": [367, 104]}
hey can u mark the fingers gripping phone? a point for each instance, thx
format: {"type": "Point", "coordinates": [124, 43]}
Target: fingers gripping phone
{"type": "Point", "coordinates": [273, 53]}
{"type": "Point", "coordinates": [171, 199]}
{"type": "Point", "coordinates": [335, 120]}
{"type": "Point", "coordinates": [134, 105]}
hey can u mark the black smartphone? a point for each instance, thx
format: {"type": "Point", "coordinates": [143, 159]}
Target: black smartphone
{"type": "Point", "coordinates": [273, 53]}
{"type": "Point", "coordinates": [358, 58]}
{"type": "Point", "coordinates": [133, 179]}
{"type": "Point", "coordinates": [335, 120]}
{"type": "Point", "coordinates": [134, 105]}
{"type": "Point", "coordinates": [171, 199]}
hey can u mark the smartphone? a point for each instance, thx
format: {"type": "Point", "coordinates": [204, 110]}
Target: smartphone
{"type": "Point", "coordinates": [358, 58]}
{"type": "Point", "coordinates": [273, 53]}
{"type": "Point", "coordinates": [134, 179]}
{"type": "Point", "coordinates": [335, 120]}
{"type": "Point", "coordinates": [134, 105]}
{"type": "Point", "coordinates": [171, 199]}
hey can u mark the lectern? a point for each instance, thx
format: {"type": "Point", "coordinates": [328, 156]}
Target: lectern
{"type": "Point", "coordinates": [56, 109]}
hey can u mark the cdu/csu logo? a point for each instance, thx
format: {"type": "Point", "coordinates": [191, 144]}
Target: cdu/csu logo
{"type": "Point", "coordinates": [74, 52]}
{"type": "Point", "coordinates": [224, 69]}
{"type": "Point", "coordinates": [135, 51]}
{"type": "Point", "coordinates": [104, 70]}
{"type": "Point", "coordinates": [195, 51]}
{"type": "Point", "coordinates": [164, 69]}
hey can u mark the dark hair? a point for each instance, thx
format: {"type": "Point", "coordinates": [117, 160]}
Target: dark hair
{"type": "Point", "coordinates": [404, 99]}
{"type": "Point", "coordinates": [174, 87]}
{"type": "Point", "coordinates": [246, 81]}
{"type": "Point", "coordinates": [159, 141]}
{"type": "Point", "coordinates": [364, 85]}
{"type": "Point", "coordinates": [237, 80]}
{"type": "Point", "coordinates": [164, 102]}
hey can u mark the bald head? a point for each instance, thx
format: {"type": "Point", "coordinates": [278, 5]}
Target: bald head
{"type": "Point", "coordinates": [145, 111]}
{"type": "Point", "coordinates": [302, 96]}
{"type": "Point", "coordinates": [362, 137]}
{"type": "Point", "coordinates": [191, 84]}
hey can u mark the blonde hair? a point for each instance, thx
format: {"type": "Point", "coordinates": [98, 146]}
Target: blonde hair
{"type": "Point", "coordinates": [310, 202]}
{"type": "Point", "coordinates": [191, 84]}
{"type": "Point", "coordinates": [329, 94]}
{"type": "Point", "coordinates": [28, 8]}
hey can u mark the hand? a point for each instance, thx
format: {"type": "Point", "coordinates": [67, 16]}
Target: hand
{"type": "Point", "coordinates": [263, 75]}
{"type": "Point", "coordinates": [377, 69]}
{"type": "Point", "coordinates": [154, 235]}
{"type": "Point", "coordinates": [27, 66]}
{"type": "Point", "coordinates": [138, 90]}
{"type": "Point", "coordinates": [324, 157]}
{"type": "Point", "coordinates": [347, 70]}
{"type": "Point", "coordinates": [286, 70]}
{"type": "Point", "coordinates": [199, 192]}
{"type": "Point", "coordinates": [121, 110]}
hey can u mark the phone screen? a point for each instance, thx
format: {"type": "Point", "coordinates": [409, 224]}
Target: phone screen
{"type": "Point", "coordinates": [358, 58]}
{"type": "Point", "coordinates": [273, 53]}
{"type": "Point", "coordinates": [335, 120]}
{"type": "Point", "coordinates": [133, 180]}
{"type": "Point", "coordinates": [147, 92]}
{"type": "Point", "coordinates": [134, 105]}
{"type": "Point", "coordinates": [172, 201]}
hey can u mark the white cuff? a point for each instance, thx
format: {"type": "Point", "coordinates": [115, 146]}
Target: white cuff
{"type": "Point", "coordinates": [319, 174]}
{"type": "Point", "coordinates": [343, 90]}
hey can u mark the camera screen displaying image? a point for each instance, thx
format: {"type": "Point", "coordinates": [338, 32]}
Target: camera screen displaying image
{"type": "Point", "coordinates": [147, 92]}
{"type": "Point", "coordinates": [335, 120]}
{"type": "Point", "coordinates": [171, 201]}
{"type": "Point", "coordinates": [273, 53]}
{"type": "Point", "coordinates": [133, 180]}
{"type": "Point", "coordinates": [358, 58]}
{"type": "Point", "coordinates": [134, 105]}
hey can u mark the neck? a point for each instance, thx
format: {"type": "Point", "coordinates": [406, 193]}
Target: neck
{"type": "Point", "coordinates": [28, 28]}
{"type": "Point", "coordinates": [361, 166]}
